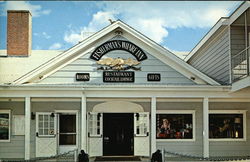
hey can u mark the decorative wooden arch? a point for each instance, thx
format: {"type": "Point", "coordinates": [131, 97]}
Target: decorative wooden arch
{"type": "Point", "coordinates": [118, 107]}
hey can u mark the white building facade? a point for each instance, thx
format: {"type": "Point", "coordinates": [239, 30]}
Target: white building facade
{"type": "Point", "coordinates": [119, 88]}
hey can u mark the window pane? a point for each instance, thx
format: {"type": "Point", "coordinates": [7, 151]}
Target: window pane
{"type": "Point", "coordinates": [4, 126]}
{"type": "Point", "coordinates": [46, 132]}
{"type": "Point", "coordinates": [40, 117]}
{"type": "Point", "coordinates": [141, 125]}
{"type": "Point", "coordinates": [225, 125]}
{"type": "Point", "coordinates": [46, 117]}
{"type": "Point", "coordinates": [51, 119]}
{"type": "Point", "coordinates": [67, 139]}
{"type": "Point", "coordinates": [174, 126]}
{"type": "Point", "coordinates": [40, 131]}
{"type": "Point", "coordinates": [67, 123]}
{"type": "Point", "coordinates": [51, 125]}
{"type": "Point", "coordinates": [41, 125]}
{"type": "Point", "coordinates": [46, 125]}
{"type": "Point", "coordinates": [94, 125]}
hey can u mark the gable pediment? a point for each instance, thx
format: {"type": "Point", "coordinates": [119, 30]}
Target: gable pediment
{"type": "Point", "coordinates": [152, 58]}
{"type": "Point", "coordinates": [109, 72]}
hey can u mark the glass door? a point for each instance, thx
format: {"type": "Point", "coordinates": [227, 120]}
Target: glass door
{"type": "Point", "coordinates": [46, 142]}
{"type": "Point", "coordinates": [67, 132]}
{"type": "Point", "coordinates": [95, 134]}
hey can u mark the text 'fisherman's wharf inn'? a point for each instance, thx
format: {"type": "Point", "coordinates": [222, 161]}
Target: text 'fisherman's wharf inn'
{"type": "Point", "coordinates": [118, 93]}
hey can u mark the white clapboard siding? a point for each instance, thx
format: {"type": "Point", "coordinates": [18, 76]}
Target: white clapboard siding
{"type": "Point", "coordinates": [212, 48]}
{"type": "Point", "coordinates": [99, 74]}
{"type": "Point", "coordinates": [232, 148]}
{"type": "Point", "coordinates": [99, 80]}
{"type": "Point", "coordinates": [237, 39]}
{"type": "Point", "coordinates": [86, 65]}
{"type": "Point", "coordinates": [94, 68]}
{"type": "Point", "coordinates": [14, 148]}
{"type": "Point", "coordinates": [86, 61]}
{"type": "Point", "coordinates": [213, 58]}
{"type": "Point", "coordinates": [184, 147]}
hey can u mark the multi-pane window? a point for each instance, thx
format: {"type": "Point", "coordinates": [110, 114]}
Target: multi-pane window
{"type": "Point", "coordinates": [4, 125]}
{"type": "Point", "coordinates": [46, 126]}
{"type": "Point", "coordinates": [95, 124]}
{"type": "Point", "coordinates": [226, 126]}
{"type": "Point", "coordinates": [141, 124]}
{"type": "Point", "coordinates": [174, 126]}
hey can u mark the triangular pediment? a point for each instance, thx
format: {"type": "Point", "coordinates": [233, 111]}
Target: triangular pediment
{"type": "Point", "coordinates": [116, 54]}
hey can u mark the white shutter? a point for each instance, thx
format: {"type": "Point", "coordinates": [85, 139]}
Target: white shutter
{"type": "Point", "coordinates": [95, 134]}
{"type": "Point", "coordinates": [141, 131]}
{"type": "Point", "coordinates": [46, 141]}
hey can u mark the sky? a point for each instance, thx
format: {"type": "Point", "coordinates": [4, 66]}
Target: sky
{"type": "Point", "coordinates": [176, 25]}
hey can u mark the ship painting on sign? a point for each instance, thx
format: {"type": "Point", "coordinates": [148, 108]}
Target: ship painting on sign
{"type": "Point", "coordinates": [118, 64]}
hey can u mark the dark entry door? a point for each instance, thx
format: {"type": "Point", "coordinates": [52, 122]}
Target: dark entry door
{"type": "Point", "coordinates": [67, 129]}
{"type": "Point", "coordinates": [117, 134]}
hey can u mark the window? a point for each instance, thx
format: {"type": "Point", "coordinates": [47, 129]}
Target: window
{"type": "Point", "coordinates": [46, 126]}
{"type": "Point", "coordinates": [94, 124]}
{"type": "Point", "coordinates": [175, 125]}
{"type": "Point", "coordinates": [4, 125]}
{"type": "Point", "coordinates": [226, 125]}
{"type": "Point", "coordinates": [141, 124]}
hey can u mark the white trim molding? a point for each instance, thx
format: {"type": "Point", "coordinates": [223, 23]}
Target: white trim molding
{"type": "Point", "coordinates": [241, 84]}
{"type": "Point", "coordinates": [205, 127]}
{"type": "Point", "coordinates": [153, 124]}
{"type": "Point", "coordinates": [27, 127]}
{"type": "Point", "coordinates": [243, 112]}
{"type": "Point", "coordinates": [84, 127]}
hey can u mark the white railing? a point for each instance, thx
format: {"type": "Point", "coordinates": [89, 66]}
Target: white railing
{"type": "Point", "coordinates": [240, 64]}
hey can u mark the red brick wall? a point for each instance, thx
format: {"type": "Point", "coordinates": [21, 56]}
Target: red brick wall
{"type": "Point", "coordinates": [19, 33]}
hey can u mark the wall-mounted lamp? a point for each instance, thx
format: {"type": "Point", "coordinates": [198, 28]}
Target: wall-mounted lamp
{"type": "Point", "coordinates": [32, 116]}
{"type": "Point", "coordinates": [137, 116]}
{"type": "Point", "coordinates": [52, 115]}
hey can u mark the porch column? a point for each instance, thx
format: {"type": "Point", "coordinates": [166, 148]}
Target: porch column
{"type": "Point", "coordinates": [83, 124]}
{"type": "Point", "coordinates": [153, 125]}
{"type": "Point", "coordinates": [27, 129]}
{"type": "Point", "coordinates": [205, 127]}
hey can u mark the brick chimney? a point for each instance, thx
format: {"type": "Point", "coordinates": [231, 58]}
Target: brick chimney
{"type": "Point", "coordinates": [19, 33]}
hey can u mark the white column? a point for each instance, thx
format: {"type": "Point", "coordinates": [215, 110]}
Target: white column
{"type": "Point", "coordinates": [27, 128]}
{"type": "Point", "coordinates": [83, 124]}
{"type": "Point", "coordinates": [205, 127]}
{"type": "Point", "coordinates": [153, 125]}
